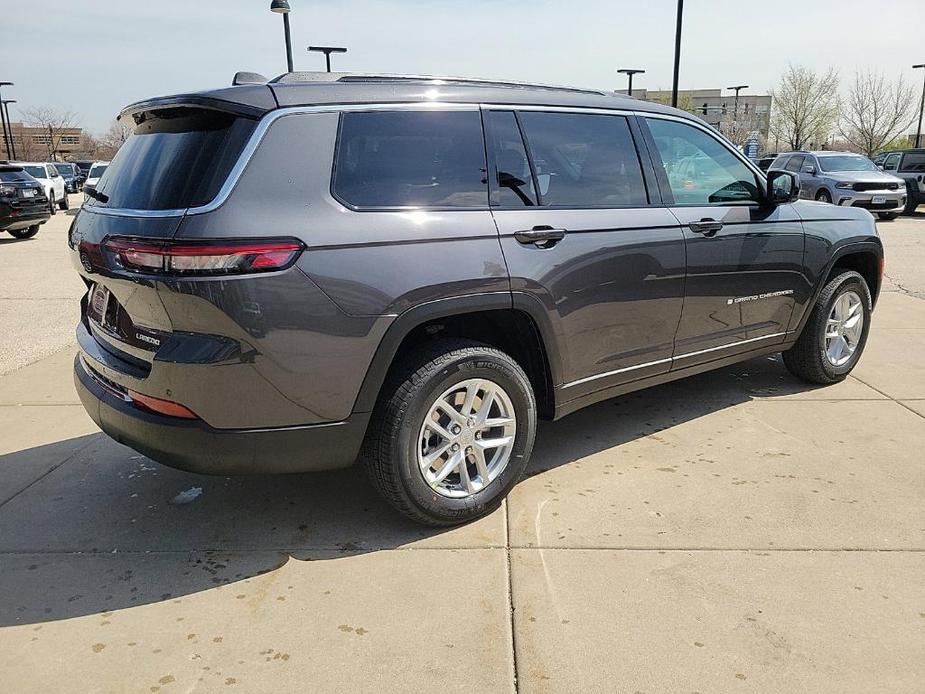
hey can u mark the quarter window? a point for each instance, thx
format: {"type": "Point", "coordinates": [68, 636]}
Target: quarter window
{"type": "Point", "coordinates": [795, 163]}
{"type": "Point", "coordinates": [699, 168]}
{"type": "Point", "coordinates": [584, 160]}
{"type": "Point", "coordinates": [411, 159]}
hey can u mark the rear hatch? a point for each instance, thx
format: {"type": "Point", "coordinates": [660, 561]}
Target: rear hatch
{"type": "Point", "coordinates": [178, 158]}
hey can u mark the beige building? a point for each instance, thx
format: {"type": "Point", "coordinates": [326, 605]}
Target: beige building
{"type": "Point", "coordinates": [32, 143]}
{"type": "Point", "coordinates": [716, 108]}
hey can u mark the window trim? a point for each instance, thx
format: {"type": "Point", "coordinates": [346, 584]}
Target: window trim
{"type": "Point", "coordinates": [407, 208]}
{"type": "Point", "coordinates": [653, 200]}
{"type": "Point", "coordinates": [660, 172]}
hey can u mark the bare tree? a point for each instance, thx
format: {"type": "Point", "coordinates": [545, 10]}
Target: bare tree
{"type": "Point", "coordinates": [805, 106]}
{"type": "Point", "coordinates": [110, 142]}
{"type": "Point", "coordinates": [53, 122]}
{"type": "Point", "coordinates": [876, 111]}
{"type": "Point", "coordinates": [739, 128]}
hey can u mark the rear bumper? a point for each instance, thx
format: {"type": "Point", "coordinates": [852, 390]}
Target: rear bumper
{"type": "Point", "coordinates": [197, 447]}
{"type": "Point", "coordinates": [23, 219]}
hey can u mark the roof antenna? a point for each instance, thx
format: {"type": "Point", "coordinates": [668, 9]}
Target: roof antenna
{"type": "Point", "coordinates": [244, 77]}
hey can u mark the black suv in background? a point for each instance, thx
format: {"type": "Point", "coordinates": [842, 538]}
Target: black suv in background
{"type": "Point", "coordinates": [70, 173]}
{"type": "Point", "coordinates": [908, 164]}
{"type": "Point", "coordinates": [23, 205]}
{"type": "Point", "coordinates": [410, 272]}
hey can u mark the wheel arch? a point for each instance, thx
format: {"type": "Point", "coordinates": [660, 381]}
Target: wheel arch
{"type": "Point", "coordinates": [516, 324]}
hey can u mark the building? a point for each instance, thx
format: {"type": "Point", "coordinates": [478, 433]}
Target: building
{"type": "Point", "coordinates": [754, 110]}
{"type": "Point", "coordinates": [36, 143]}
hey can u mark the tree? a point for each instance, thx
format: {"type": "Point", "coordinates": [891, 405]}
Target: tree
{"type": "Point", "coordinates": [876, 111]}
{"type": "Point", "coordinates": [805, 106]}
{"type": "Point", "coordinates": [110, 142]}
{"type": "Point", "coordinates": [53, 122]}
{"type": "Point", "coordinates": [739, 128]}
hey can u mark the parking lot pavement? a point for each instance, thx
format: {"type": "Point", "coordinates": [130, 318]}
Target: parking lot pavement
{"type": "Point", "coordinates": [737, 531]}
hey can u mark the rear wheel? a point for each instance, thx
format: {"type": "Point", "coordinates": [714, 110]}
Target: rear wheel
{"type": "Point", "coordinates": [835, 333]}
{"type": "Point", "coordinates": [823, 196]}
{"type": "Point", "coordinates": [452, 432]}
{"type": "Point", "coordinates": [25, 233]}
{"type": "Point", "coordinates": [911, 203]}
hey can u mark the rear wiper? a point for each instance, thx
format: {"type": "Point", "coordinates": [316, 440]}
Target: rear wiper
{"type": "Point", "coordinates": [97, 195]}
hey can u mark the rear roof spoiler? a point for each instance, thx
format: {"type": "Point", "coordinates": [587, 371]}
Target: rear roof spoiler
{"type": "Point", "coordinates": [137, 110]}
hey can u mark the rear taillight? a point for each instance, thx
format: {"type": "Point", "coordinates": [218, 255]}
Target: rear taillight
{"type": "Point", "coordinates": [206, 258]}
{"type": "Point", "coordinates": [167, 407]}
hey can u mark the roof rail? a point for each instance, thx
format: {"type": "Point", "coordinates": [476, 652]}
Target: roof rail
{"type": "Point", "coordinates": [296, 77]}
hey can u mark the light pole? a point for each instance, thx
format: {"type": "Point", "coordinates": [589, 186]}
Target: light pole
{"type": "Point", "coordinates": [327, 50]}
{"type": "Point", "coordinates": [918, 130]}
{"type": "Point", "coordinates": [735, 104]}
{"type": "Point", "coordinates": [677, 55]}
{"type": "Point", "coordinates": [7, 138]}
{"type": "Point", "coordinates": [282, 7]}
{"type": "Point", "coordinates": [629, 72]}
{"type": "Point", "coordinates": [4, 105]}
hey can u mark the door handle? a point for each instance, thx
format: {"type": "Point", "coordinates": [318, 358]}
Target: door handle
{"type": "Point", "coordinates": [541, 236]}
{"type": "Point", "coordinates": [707, 227]}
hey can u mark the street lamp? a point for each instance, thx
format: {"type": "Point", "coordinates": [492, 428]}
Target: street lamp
{"type": "Point", "coordinates": [7, 138]}
{"type": "Point", "coordinates": [918, 130]}
{"type": "Point", "coordinates": [327, 50]}
{"type": "Point", "coordinates": [735, 105]}
{"type": "Point", "coordinates": [677, 54]}
{"type": "Point", "coordinates": [629, 72]}
{"type": "Point", "coordinates": [4, 107]}
{"type": "Point", "coordinates": [282, 7]}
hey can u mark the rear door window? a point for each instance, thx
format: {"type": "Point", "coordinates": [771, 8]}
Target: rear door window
{"type": "Point", "coordinates": [511, 178]}
{"type": "Point", "coordinates": [584, 160]}
{"type": "Point", "coordinates": [176, 158]}
{"type": "Point", "coordinates": [388, 159]}
{"type": "Point", "coordinates": [913, 161]}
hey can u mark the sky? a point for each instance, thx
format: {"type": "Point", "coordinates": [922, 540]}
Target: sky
{"type": "Point", "coordinates": [94, 57]}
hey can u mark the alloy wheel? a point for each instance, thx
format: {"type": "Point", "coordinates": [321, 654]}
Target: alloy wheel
{"type": "Point", "coordinates": [844, 328]}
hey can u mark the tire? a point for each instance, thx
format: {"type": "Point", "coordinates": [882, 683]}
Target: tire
{"type": "Point", "coordinates": [808, 358]}
{"type": "Point", "coordinates": [397, 432]}
{"type": "Point", "coordinates": [824, 196]}
{"type": "Point", "coordinates": [911, 202]}
{"type": "Point", "coordinates": [25, 233]}
{"type": "Point", "coordinates": [888, 216]}
{"type": "Point", "coordinates": [52, 205]}
{"type": "Point", "coordinates": [64, 203]}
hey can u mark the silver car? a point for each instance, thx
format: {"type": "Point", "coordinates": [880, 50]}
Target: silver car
{"type": "Point", "coordinates": [847, 179]}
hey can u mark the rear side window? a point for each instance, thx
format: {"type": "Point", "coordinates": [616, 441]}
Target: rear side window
{"type": "Point", "coordinates": [913, 161]}
{"type": "Point", "coordinates": [176, 158]}
{"type": "Point", "coordinates": [795, 163]}
{"type": "Point", "coordinates": [584, 160]}
{"type": "Point", "coordinates": [411, 159]}
{"type": "Point", "coordinates": [511, 179]}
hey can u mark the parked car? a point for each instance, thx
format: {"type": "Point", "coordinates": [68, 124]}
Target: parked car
{"type": "Point", "coordinates": [845, 179]}
{"type": "Point", "coordinates": [23, 205]}
{"type": "Point", "coordinates": [909, 165]}
{"type": "Point", "coordinates": [445, 262]}
{"type": "Point", "coordinates": [93, 177]}
{"type": "Point", "coordinates": [765, 161]}
{"type": "Point", "coordinates": [83, 168]}
{"type": "Point", "coordinates": [53, 183]}
{"type": "Point", "coordinates": [69, 173]}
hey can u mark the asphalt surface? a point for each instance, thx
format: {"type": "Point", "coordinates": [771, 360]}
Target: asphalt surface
{"type": "Point", "coordinates": [734, 532]}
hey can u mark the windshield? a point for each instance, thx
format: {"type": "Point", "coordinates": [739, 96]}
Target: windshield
{"type": "Point", "coordinates": [10, 176]}
{"type": "Point", "coordinates": [96, 171]}
{"type": "Point", "coordinates": [37, 171]}
{"type": "Point", "coordinates": [65, 169]}
{"type": "Point", "coordinates": [847, 162]}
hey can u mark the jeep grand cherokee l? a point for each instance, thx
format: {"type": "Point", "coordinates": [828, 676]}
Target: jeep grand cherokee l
{"type": "Point", "coordinates": [409, 272]}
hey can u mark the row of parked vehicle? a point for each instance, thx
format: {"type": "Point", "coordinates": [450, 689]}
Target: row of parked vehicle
{"type": "Point", "coordinates": [30, 192]}
{"type": "Point", "coordinates": [891, 184]}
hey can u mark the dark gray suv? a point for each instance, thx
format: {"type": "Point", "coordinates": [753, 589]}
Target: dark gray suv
{"type": "Point", "coordinates": [410, 271]}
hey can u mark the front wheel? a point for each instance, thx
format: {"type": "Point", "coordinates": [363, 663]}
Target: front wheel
{"type": "Point", "coordinates": [52, 205]}
{"type": "Point", "coordinates": [64, 203]}
{"type": "Point", "coordinates": [888, 216]}
{"type": "Point", "coordinates": [452, 432]}
{"type": "Point", "coordinates": [823, 196]}
{"type": "Point", "coordinates": [835, 333]}
{"type": "Point", "coordinates": [25, 233]}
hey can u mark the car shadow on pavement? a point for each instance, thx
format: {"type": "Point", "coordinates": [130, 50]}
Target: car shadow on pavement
{"type": "Point", "coordinates": [108, 529]}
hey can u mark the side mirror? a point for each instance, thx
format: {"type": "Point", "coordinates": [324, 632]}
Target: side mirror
{"type": "Point", "coordinates": [811, 170]}
{"type": "Point", "coordinates": [880, 166]}
{"type": "Point", "coordinates": [783, 188]}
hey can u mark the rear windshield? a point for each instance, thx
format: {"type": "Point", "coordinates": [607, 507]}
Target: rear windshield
{"type": "Point", "coordinates": [176, 158]}
{"type": "Point", "coordinates": [97, 171]}
{"type": "Point", "coordinates": [913, 161]}
{"type": "Point", "coordinates": [37, 171]}
{"type": "Point", "coordinates": [10, 176]}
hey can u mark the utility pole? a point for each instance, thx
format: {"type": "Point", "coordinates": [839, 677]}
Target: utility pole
{"type": "Point", "coordinates": [677, 55]}
{"type": "Point", "coordinates": [7, 137]}
{"type": "Point", "coordinates": [5, 111]}
{"type": "Point", "coordinates": [629, 72]}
